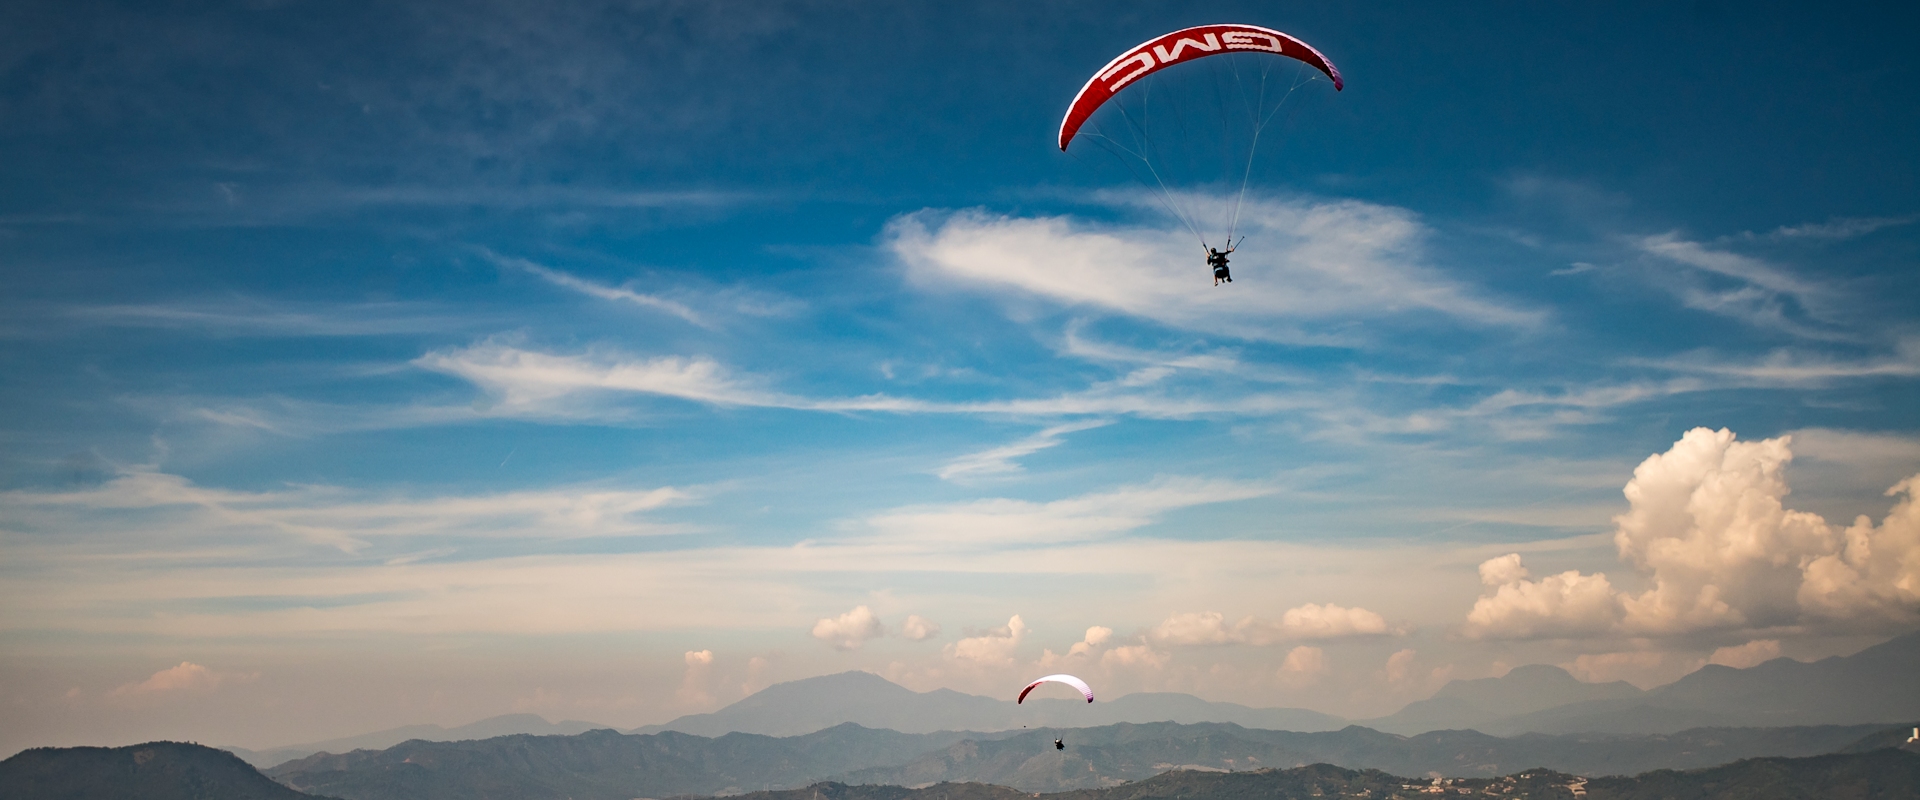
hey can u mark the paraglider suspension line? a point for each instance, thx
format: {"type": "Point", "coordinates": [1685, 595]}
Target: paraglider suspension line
{"type": "Point", "coordinates": [1246, 174]}
{"type": "Point", "coordinates": [1139, 158]}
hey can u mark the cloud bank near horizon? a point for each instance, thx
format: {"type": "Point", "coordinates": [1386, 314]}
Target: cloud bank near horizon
{"type": "Point", "coordinates": [1709, 532]}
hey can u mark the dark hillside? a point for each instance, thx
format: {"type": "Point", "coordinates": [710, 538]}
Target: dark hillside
{"type": "Point", "coordinates": [1900, 737]}
{"type": "Point", "coordinates": [1115, 754]}
{"type": "Point", "coordinates": [151, 771]}
{"type": "Point", "coordinates": [1879, 775]}
{"type": "Point", "coordinates": [1315, 782]}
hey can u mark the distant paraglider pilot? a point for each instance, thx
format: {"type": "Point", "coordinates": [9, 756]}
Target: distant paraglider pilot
{"type": "Point", "coordinates": [1085, 691]}
{"type": "Point", "coordinates": [1218, 260]}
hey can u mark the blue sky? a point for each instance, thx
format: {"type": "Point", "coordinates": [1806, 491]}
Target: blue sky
{"type": "Point", "coordinates": [390, 364]}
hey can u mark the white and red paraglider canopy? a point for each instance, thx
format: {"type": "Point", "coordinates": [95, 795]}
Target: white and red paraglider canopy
{"type": "Point", "coordinates": [1180, 47]}
{"type": "Point", "coordinates": [1066, 679]}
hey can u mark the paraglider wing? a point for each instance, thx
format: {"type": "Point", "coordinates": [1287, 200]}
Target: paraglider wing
{"type": "Point", "coordinates": [1066, 679]}
{"type": "Point", "coordinates": [1179, 47]}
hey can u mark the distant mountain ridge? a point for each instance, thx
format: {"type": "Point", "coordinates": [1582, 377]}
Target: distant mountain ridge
{"type": "Point", "coordinates": [1876, 685]}
{"type": "Point", "coordinates": [503, 725]}
{"type": "Point", "coordinates": [1872, 686]}
{"type": "Point", "coordinates": [868, 700]}
{"type": "Point", "coordinates": [1486, 702]}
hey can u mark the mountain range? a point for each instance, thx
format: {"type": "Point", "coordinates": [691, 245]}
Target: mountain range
{"type": "Point", "coordinates": [1872, 686]}
{"type": "Point", "coordinates": [866, 699]}
{"type": "Point", "coordinates": [1877, 684]}
{"type": "Point", "coordinates": [608, 763]}
{"type": "Point", "coordinates": [603, 763]}
{"type": "Point", "coordinates": [503, 725]}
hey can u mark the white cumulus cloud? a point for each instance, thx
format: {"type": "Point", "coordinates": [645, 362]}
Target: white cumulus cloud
{"type": "Point", "coordinates": [1709, 532]}
{"type": "Point", "coordinates": [1642, 668]}
{"type": "Point", "coordinates": [1309, 621]}
{"type": "Point", "coordinates": [1399, 669]}
{"type": "Point", "coordinates": [1567, 604]}
{"type": "Point", "coordinates": [186, 676]}
{"type": "Point", "coordinates": [995, 647]}
{"type": "Point", "coordinates": [1303, 666]}
{"type": "Point", "coordinates": [850, 630]}
{"type": "Point", "coordinates": [1135, 655]}
{"type": "Point", "coordinates": [1091, 645]}
{"type": "Point", "coordinates": [1097, 636]}
{"type": "Point", "coordinates": [695, 685]}
{"type": "Point", "coordinates": [918, 628]}
{"type": "Point", "coordinates": [1315, 621]}
{"type": "Point", "coordinates": [1875, 572]}
{"type": "Point", "coordinates": [1758, 651]}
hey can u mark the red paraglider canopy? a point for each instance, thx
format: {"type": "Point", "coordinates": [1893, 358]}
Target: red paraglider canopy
{"type": "Point", "coordinates": [1066, 679]}
{"type": "Point", "coordinates": [1179, 47]}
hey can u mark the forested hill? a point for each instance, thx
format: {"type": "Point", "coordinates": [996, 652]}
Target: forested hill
{"type": "Point", "coordinates": [1879, 775]}
{"type": "Point", "coordinates": [152, 771]}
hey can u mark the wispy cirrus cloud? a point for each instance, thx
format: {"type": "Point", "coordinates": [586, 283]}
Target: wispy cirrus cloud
{"type": "Point", "coordinates": [179, 510]}
{"type": "Point", "coordinates": [1076, 343]}
{"type": "Point", "coordinates": [236, 204]}
{"type": "Point", "coordinates": [528, 379]}
{"type": "Point", "coordinates": [1765, 295]}
{"type": "Point", "coordinates": [1733, 265]}
{"type": "Point", "coordinates": [583, 386]}
{"type": "Point", "coordinates": [620, 294]}
{"type": "Point", "coordinates": [1342, 260]}
{"type": "Point", "coordinates": [157, 554]}
{"type": "Point", "coordinates": [1837, 229]}
{"type": "Point", "coordinates": [1000, 460]}
{"type": "Point", "coordinates": [244, 316]}
{"type": "Point", "coordinates": [537, 384]}
{"type": "Point", "coordinates": [1795, 368]}
{"type": "Point", "coordinates": [1856, 447]}
{"type": "Point", "coordinates": [518, 197]}
{"type": "Point", "coordinates": [1001, 521]}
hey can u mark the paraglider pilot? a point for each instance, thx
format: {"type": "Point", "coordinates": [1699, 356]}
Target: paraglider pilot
{"type": "Point", "coordinates": [1218, 260]}
{"type": "Point", "coordinates": [1059, 745]}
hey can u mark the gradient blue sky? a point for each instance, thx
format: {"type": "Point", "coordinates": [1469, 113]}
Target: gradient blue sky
{"type": "Point", "coordinates": [370, 364]}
